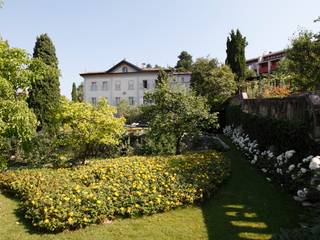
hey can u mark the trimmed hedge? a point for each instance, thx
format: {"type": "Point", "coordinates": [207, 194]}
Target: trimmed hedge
{"type": "Point", "coordinates": [268, 131]}
{"type": "Point", "coordinates": [59, 199]}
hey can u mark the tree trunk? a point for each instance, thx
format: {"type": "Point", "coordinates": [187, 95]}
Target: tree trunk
{"type": "Point", "coordinates": [178, 146]}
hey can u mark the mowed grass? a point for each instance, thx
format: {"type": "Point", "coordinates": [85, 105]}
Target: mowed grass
{"type": "Point", "coordinates": [245, 207]}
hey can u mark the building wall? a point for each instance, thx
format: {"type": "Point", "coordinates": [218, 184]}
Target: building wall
{"type": "Point", "coordinates": [304, 108]}
{"type": "Point", "coordinates": [137, 79]}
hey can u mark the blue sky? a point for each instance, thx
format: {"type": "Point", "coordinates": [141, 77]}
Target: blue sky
{"type": "Point", "coordinates": [92, 35]}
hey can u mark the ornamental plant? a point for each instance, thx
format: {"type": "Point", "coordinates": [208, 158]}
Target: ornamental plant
{"type": "Point", "coordinates": [86, 128]}
{"type": "Point", "coordinates": [59, 199]}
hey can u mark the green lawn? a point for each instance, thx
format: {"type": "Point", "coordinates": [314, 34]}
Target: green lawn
{"type": "Point", "coordinates": [245, 207]}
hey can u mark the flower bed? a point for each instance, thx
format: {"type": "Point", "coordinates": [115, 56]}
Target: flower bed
{"type": "Point", "coordinates": [300, 176]}
{"type": "Point", "coordinates": [58, 199]}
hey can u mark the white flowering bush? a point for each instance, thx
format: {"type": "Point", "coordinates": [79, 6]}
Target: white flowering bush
{"type": "Point", "coordinates": [300, 176]}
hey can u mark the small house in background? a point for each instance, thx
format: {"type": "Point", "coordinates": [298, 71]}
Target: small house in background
{"type": "Point", "coordinates": [126, 81]}
{"type": "Point", "coordinates": [266, 63]}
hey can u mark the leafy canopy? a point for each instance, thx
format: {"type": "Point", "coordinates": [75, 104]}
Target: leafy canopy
{"type": "Point", "coordinates": [84, 125]}
{"type": "Point", "coordinates": [302, 62]}
{"type": "Point", "coordinates": [177, 113]}
{"type": "Point", "coordinates": [14, 64]}
{"type": "Point", "coordinates": [185, 62]}
{"type": "Point", "coordinates": [16, 119]}
{"type": "Point", "coordinates": [213, 81]}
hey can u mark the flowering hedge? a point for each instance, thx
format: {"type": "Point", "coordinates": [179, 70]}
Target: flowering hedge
{"type": "Point", "coordinates": [300, 175]}
{"type": "Point", "coordinates": [58, 199]}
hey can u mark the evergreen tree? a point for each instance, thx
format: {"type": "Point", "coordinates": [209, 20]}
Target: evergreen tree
{"type": "Point", "coordinates": [185, 62]}
{"type": "Point", "coordinates": [74, 94]}
{"type": "Point", "coordinates": [80, 92]}
{"type": "Point", "coordinates": [45, 50]}
{"type": "Point", "coordinates": [236, 45]}
{"type": "Point", "coordinates": [44, 97]}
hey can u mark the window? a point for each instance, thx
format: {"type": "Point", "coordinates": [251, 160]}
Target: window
{"type": "Point", "coordinates": [94, 101]}
{"type": "Point", "coordinates": [182, 79]}
{"type": "Point", "coordinates": [118, 85]}
{"type": "Point", "coordinates": [104, 85]}
{"type": "Point", "coordinates": [93, 86]}
{"type": "Point", "coordinates": [124, 69]}
{"type": "Point", "coordinates": [145, 84]}
{"type": "Point", "coordinates": [131, 85]}
{"type": "Point", "coordinates": [131, 101]}
{"type": "Point", "coordinates": [118, 99]}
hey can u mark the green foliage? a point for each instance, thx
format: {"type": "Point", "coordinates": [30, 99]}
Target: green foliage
{"type": "Point", "coordinates": [302, 62]}
{"type": "Point", "coordinates": [185, 62]}
{"type": "Point", "coordinates": [268, 132]}
{"type": "Point", "coordinates": [13, 66]}
{"type": "Point", "coordinates": [177, 113]}
{"type": "Point", "coordinates": [258, 88]}
{"type": "Point", "coordinates": [156, 144]}
{"type": "Point", "coordinates": [16, 120]}
{"type": "Point", "coordinates": [132, 114]}
{"type": "Point", "coordinates": [45, 87]}
{"type": "Point", "coordinates": [42, 150]}
{"type": "Point", "coordinates": [74, 94]}
{"type": "Point", "coordinates": [54, 200]}
{"type": "Point", "coordinates": [6, 89]}
{"type": "Point", "coordinates": [44, 94]}
{"type": "Point", "coordinates": [86, 128]}
{"type": "Point", "coordinates": [45, 50]}
{"type": "Point", "coordinates": [162, 78]}
{"type": "Point", "coordinates": [80, 92]}
{"type": "Point", "coordinates": [213, 81]}
{"type": "Point", "coordinates": [236, 45]}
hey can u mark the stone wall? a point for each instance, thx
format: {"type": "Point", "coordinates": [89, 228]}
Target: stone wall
{"type": "Point", "coordinates": [303, 108]}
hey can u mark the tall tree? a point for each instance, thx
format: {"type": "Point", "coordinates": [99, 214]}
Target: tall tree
{"type": "Point", "coordinates": [302, 61]}
{"type": "Point", "coordinates": [45, 89]}
{"type": "Point", "coordinates": [74, 94]}
{"type": "Point", "coordinates": [80, 92]}
{"type": "Point", "coordinates": [45, 50]}
{"type": "Point", "coordinates": [213, 81]}
{"type": "Point", "coordinates": [185, 62]}
{"type": "Point", "coordinates": [236, 45]}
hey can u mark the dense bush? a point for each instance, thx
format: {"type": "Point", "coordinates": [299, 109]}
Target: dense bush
{"type": "Point", "coordinates": [268, 132]}
{"type": "Point", "coordinates": [89, 131]}
{"type": "Point", "coordinates": [60, 199]}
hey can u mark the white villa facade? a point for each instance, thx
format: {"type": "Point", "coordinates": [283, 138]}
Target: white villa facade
{"type": "Point", "coordinates": [126, 81]}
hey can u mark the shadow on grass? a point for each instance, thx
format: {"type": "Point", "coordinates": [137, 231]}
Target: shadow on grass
{"type": "Point", "coordinates": [247, 206]}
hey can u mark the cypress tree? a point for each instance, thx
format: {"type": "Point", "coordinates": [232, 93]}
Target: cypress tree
{"type": "Point", "coordinates": [236, 45]}
{"type": "Point", "coordinates": [44, 96]}
{"type": "Point", "coordinates": [80, 92]}
{"type": "Point", "coordinates": [74, 94]}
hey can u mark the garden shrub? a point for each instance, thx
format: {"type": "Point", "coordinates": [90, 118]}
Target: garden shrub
{"type": "Point", "coordinates": [268, 131]}
{"type": "Point", "coordinates": [70, 198]}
